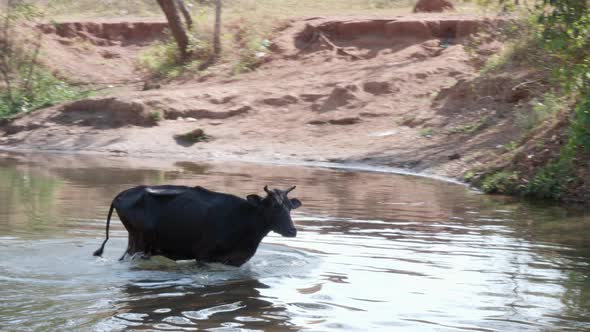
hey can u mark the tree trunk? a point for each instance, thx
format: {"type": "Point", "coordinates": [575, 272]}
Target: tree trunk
{"type": "Point", "coordinates": [169, 7]}
{"type": "Point", "coordinates": [187, 16]}
{"type": "Point", "coordinates": [217, 30]}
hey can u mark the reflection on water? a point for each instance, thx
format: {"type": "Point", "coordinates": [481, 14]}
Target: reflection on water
{"type": "Point", "coordinates": [375, 252]}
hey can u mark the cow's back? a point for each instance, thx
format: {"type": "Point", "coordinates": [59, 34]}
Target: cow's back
{"type": "Point", "coordinates": [196, 221]}
{"type": "Point", "coordinates": [140, 210]}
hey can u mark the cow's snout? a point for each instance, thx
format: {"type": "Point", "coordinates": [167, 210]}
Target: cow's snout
{"type": "Point", "coordinates": [290, 232]}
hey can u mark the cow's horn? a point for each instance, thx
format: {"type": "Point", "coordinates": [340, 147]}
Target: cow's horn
{"type": "Point", "coordinates": [290, 189]}
{"type": "Point", "coordinates": [266, 189]}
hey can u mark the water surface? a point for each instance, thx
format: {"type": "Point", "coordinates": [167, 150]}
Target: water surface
{"type": "Point", "coordinates": [374, 252]}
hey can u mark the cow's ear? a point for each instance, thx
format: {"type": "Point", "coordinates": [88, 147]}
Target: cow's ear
{"type": "Point", "coordinates": [254, 200]}
{"type": "Point", "coordinates": [295, 203]}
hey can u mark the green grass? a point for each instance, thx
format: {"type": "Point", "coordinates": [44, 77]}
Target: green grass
{"type": "Point", "coordinates": [470, 128]}
{"type": "Point", "coordinates": [48, 90]}
{"type": "Point", "coordinates": [503, 182]}
{"type": "Point", "coordinates": [544, 107]}
{"type": "Point", "coordinates": [427, 132]}
{"type": "Point", "coordinates": [469, 176]}
{"type": "Point", "coordinates": [497, 61]}
{"type": "Point", "coordinates": [156, 116]}
{"type": "Point", "coordinates": [242, 50]}
{"type": "Point", "coordinates": [248, 25]}
{"type": "Point", "coordinates": [522, 47]}
{"type": "Point", "coordinates": [552, 180]}
{"type": "Point", "coordinates": [162, 59]}
{"type": "Point", "coordinates": [511, 146]}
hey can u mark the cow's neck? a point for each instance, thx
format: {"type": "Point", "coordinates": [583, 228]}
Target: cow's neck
{"type": "Point", "coordinates": [263, 227]}
{"type": "Point", "coordinates": [254, 231]}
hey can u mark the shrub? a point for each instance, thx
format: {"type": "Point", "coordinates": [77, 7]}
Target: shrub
{"type": "Point", "coordinates": [427, 132]}
{"type": "Point", "coordinates": [252, 54]}
{"type": "Point", "coordinates": [503, 182]}
{"type": "Point", "coordinates": [155, 116]}
{"type": "Point", "coordinates": [162, 60]}
{"type": "Point", "coordinates": [26, 85]}
{"type": "Point", "coordinates": [47, 91]}
{"type": "Point", "coordinates": [551, 181]}
{"type": "Point", "coordinates": [193, 136]}
{"type": "Point", "coordinates": [544, 108]}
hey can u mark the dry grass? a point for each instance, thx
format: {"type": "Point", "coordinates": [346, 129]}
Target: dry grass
{"type": "Point", "coordinates": [248, 25]}
{"type": "Point", "coordinates": [259, 9]}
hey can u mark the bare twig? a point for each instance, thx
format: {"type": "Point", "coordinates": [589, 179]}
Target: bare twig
{"type": "Point", "coordinates": [29, 88]}
{"type": "Point", "coordinates": [337, 49]}
{"type": "Point", "coordinates": [525, 83]}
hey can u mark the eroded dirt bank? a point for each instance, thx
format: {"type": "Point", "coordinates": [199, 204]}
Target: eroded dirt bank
{"type": "Point", "coordinates": [397, 92]}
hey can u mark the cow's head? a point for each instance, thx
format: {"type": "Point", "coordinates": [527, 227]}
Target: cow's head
{"type": "Point", "coordinates": [276, 208]}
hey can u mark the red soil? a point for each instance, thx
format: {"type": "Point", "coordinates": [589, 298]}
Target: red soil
{"type": "Point", "coordinates": [384, 91]}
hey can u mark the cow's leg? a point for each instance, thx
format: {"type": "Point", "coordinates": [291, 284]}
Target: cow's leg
{"type": "Point", "coordinates": [130, 237]}
{"type": "Point", "coordinates": [140, 244]}
{"type": "Point", "coordinates": [139, 241]}
{"type": "Point", "coordinates": [130, 246]}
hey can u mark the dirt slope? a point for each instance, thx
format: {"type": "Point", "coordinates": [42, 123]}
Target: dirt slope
{"type": "Point", "coordinates": [392, 92]}
{"type": "Point", "coordinates": [98, 52]}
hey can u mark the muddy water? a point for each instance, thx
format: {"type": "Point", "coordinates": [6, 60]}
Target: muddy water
{"type": "Point", "coordinates": [374, 252]}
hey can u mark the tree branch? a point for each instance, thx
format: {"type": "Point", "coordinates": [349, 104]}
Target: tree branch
{"type": "Point", "coordinates": [187, 15]}
{"type": "Point", "coordinates": [29, 88]}
{"type": "Point", "coordinates": [217, 30]}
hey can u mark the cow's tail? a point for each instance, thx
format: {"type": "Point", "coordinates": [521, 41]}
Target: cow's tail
{"type": "Point", "coordinates": [101, 249]}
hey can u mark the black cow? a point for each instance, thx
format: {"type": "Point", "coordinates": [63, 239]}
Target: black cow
{"type": "Point", "coordinates": [181, 222]}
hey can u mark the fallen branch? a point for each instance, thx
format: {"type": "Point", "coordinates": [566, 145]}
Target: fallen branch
{"type": "Point", "coordinates": [337, 49]}
{"type": "Point", "coordinates": [525, 83]}
{"type": "Point", "coordinates": [318, 35]}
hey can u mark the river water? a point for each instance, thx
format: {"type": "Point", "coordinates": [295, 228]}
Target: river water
{"type": "Point", "coordinates": [375, 252]}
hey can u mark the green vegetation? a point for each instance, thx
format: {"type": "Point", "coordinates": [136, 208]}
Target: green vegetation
{"type": "Point", "coordinates": [497, 61]}
{"type": "Point", "coordinates": [46, 90]}
{"type": "Point", "coordinates": [555, 40]}
{"type": "Point", "coordinates": [25, 84]}
{"type": "Point", "coordinates": [248, 26]}
{"type": "Point", "coordinates": [511, 146]}
{"type": "Point", "coordinates": [427, 132]}
{"type": "Point", "coordinates": [251, 55]}
{"type": "Point", "coordinates": [193, 136]}
{"type": "Point", "coordinates": [566, 33]}
{"type": "Point", "coordinates": [163, 58]}
{"type": "Point", "coordinates": [244, 48]}
{"type": "Point", "coordinates": [470, 128]}
{"type": "Point", "coordinates": [543, 109]}
{"type": "Point", "coordinates": [552, 180]}
{"type": "Point", "coordinates": [504, 182]}
{"type": "Point", "coordinates": [155, 116]}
